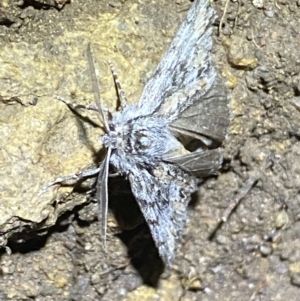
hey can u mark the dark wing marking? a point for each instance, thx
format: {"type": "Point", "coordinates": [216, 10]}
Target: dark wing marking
{"type": "Point", "coordinates": [185, 68]}
{"type": "Point", "coordinates": [200, 164]}
{"type": "Point", "coordinates": [102, 195]}
{"type": "Point", "coordinates": [208, 117]}
{"type": "Point", "coordinates": [163, 202]}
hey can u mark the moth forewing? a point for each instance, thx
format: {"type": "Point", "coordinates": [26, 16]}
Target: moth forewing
{"type": "Point", "coordinates": [163, 200]}
{"type": "Point", "coordinates": [185, 72]}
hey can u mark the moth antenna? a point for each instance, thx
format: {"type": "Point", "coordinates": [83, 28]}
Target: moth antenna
{"type": "Point", "coordinates": [102, 196]}
{"type": "Point", "coordinates": [96, 87]}
{"type": "Point", "coordinates": [120, 91]}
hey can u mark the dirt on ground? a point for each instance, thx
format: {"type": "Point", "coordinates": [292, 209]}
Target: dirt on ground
{"type": "Point", "coordinates": [51, 247]}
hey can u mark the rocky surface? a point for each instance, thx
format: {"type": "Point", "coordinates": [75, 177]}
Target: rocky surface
{"type": "Point", "coordinates": [54, 238]}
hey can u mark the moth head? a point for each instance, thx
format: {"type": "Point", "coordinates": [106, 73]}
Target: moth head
{"type": "Point", "coordinates": [110, 140]}
{"type": "Point", "coordinates": [114, 137]}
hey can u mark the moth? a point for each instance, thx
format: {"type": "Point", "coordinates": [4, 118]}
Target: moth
{"type": "Point", "coordinates": [171, 139]}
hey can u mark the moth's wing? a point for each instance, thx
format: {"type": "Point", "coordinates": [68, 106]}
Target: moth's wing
{"type": "Point", "coordinates": [200, 164]}
{"type": "Point", "coordinates": [185, 71]}
{"type": "Point", "coordinates": [163, 202]}
{"type": "Point", "coordinates": [102, 196]}
{"type": "Point", "coordinates": [208, 118]}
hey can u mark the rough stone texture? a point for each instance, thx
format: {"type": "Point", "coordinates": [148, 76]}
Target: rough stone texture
{"type": "Point", "coordinates": [54, 239]}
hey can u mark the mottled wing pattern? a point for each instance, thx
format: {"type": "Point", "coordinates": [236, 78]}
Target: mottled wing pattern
{"type": "Point", "coordinates": [185, 72]}
{"type": "Point", "coordinates": [208, 117]}
{"type": "Point", "coordinates": [163, 199]}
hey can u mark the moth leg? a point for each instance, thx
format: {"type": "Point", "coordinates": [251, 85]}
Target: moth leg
{"type": "Point", "coordinates": [120, 91]}
{"type": "Point", "coordinates": [74, 177]}
{"type": "Point", "coordinates": [75, 106]}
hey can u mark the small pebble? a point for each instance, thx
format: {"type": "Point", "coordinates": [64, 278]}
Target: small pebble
{"type": "Point", "coordinates": [265, 250]}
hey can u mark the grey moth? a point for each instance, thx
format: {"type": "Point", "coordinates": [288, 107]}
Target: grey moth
{"type": "Point", "coordinates": [171, 139]}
